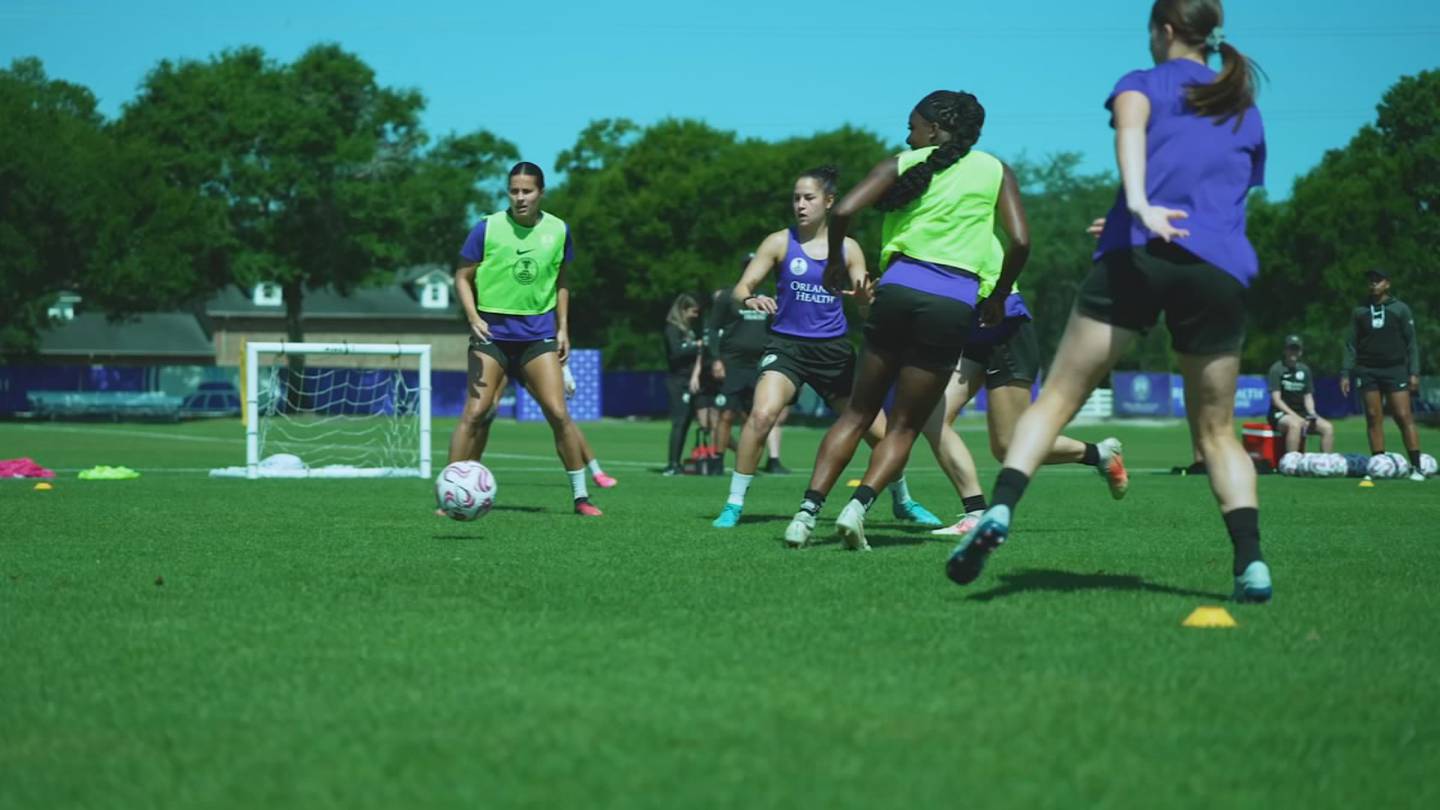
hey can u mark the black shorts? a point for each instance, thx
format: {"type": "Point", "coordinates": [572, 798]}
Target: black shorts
{"type": "Point", "coordinates": [512, 355]}
{"type": "Point", "coordinates": [924, 330]}
{"type": "Point", "coordinates": [1384, 380]}
{"type": "Point", "coordinates": [737, 390]}
{"type": "Point", "coordinates": [825, 364]}
{"type": "Point", "coordinates": [1012, 358]}
{"type": "Point", "coordinates": [1204, 306]}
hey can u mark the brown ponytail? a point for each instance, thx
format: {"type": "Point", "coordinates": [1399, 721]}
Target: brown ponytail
{"type": "Point", "coordinates": [1198, 23]}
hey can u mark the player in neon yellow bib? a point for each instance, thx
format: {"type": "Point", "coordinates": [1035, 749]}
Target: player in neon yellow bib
{"type": "Point", "coordinates": [511, 286]}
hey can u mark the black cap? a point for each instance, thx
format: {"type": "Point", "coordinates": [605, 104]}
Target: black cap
{"type": "Point", "coordinates": [1294, 340]}
{"type": "Point", "coordinates": [1375, 272]}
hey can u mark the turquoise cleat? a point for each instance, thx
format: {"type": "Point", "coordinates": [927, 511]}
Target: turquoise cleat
{"type": "Point", "coordinates": [729, 516]}
{"type": "Point", "coordinates": [1254, 584]}
{"type": "Point", "coordinates": [968, 558]}
{"type": "Point", "coordinates": [913, 512]}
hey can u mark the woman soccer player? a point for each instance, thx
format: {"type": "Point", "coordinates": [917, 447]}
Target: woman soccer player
{"type": "Point", "coordinates": [1005, 358]}
{"type": "Point", "coordinates": [1189, 144]}
{"type": "Point", "coordinates": [682, 353]}
{"type": "Point", "coordinates": [941, 200]}
{"type": "Point", "coordinates": [807, 343]}
{"type": "Point", "coordinates": [511, 286]}
{"type": "Point", "coordinates": [1383, 359]}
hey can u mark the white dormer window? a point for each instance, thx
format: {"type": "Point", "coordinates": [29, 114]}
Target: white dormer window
{"type": "Point", "coordinates": [267, 294]}
{"type": "Point", "coordinates": [64, 307]}
{"type": "Point", "coordinates": [435, 295]}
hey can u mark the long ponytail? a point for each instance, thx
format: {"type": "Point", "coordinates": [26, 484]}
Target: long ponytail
{"type": "Point", "coordinates": [957, 113]}
{"type": "Point", "coordinates": [1199, 23]}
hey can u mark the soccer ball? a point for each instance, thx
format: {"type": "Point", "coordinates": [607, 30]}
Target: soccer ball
{"type": "Point", "coordinates": [1358, 464]}
{"type": "Point", "coordinates": [1382, 466]}
{"type": "Point", "coordinates": [1402, 464]}
{"type": "Point", "coordinates": [1338, 467]}
{"type": "Point", "coordinates": [1290, 463]}
{"type": "Point", "coordinates": [465, 490]}
{"type": "Point", "coordinates": [1428, 465]}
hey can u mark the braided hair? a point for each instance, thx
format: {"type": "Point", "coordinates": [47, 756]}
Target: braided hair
{"type": "Point", "coordinates": [956, 112]}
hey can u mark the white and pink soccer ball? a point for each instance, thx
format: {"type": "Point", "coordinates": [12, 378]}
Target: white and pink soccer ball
{"type": "Point", "coordinates": [465, 490]}
{"type": "Point", "coordinates": [1290, 463]}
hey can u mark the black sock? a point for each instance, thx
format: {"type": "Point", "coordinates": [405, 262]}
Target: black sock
{"type": "Point", "coordinates": [1377, 452]}
{"type": "Point", "coordinates": [974, 503]}
{"type": "Point", "coordinates": [1414, 459]}
{"type": "Point", "coordinates": [812, 502]}
{"type": "Point", "coordinates": [1092, 455]}
{"type": "Point", "coordinates": [865, 495]}
{"type": "Point", "coordinates": [1009, 487]}
{"type": "Point", "coordinates": [1244, 527]}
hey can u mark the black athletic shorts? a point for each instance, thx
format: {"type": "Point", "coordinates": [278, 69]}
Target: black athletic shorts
{"type": "Point", "coordinates": [512, 355]}
{"type": "Point", "coordinates": [1273, 416]}
{"type": "Point", "coordinates": [1384, 380]}
{"type": "Point", "coordinates": [1009, 352]}
{"type": "Point", "coordinates": [825, 364]}
{"type": "Point", "coordinates": [737, 390]}
{"type": "Point", "coordinates": [1204, 306]}
{"type": "Point", "coordinates": [924, 330]}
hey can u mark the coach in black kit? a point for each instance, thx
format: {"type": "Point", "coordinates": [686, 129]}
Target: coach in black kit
{"type": "Point", "coordinates": [1382, 361]}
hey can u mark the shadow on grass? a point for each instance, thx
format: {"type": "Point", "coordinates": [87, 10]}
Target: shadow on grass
{"type": "Point", "coordinates": [1040, 579]}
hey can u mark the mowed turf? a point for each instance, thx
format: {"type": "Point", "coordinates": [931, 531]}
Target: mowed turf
{"type": "Point", "coordinates": [190, 642]}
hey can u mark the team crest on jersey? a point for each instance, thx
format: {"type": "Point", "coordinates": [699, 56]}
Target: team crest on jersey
{"type": "Point", "coordinates": [1299, 375]}
{"type": "Point", "coordinates": [798, 266]}
{"type": "Point", "coordinates": [525, 270]}
{"type": "Point", "coordinates": [767, 360]}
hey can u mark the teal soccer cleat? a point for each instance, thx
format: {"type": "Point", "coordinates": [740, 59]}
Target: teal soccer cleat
{"type": "Point", "coordinates": [1254, 584]}
{"type": "Point", "coordinates": [913, 512]}
{"type": "Point", "coordinates": [729, 516]}
{"type": "Point", "coordinates": [968, 558]}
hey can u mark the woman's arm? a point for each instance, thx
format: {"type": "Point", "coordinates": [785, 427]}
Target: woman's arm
{"type": "Point", "coordinates": [1131, 111]}
{"type": "Point", "coordinates": [562, 314]}
{"type": "Point", "coordinates": [1011, 213]}
{"type": "Point", "coordinates": [868, 192]}
{"type": "Point", "coordinates": [465, 291]}
{"type": "Point", "coordinates": [770, 253]}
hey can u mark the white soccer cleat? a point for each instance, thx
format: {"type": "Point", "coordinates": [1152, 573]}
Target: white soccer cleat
{"type": "Point", "coordinates": [851, 525]}
{"type": "Point", "coordinates": [1416, 475]}
{"type": "Point", "coordinates": [1112, 467]}
{"type": "Point", "coordinates": [967, 522]}
{"type": "Point", "coordinates": [797, 534]}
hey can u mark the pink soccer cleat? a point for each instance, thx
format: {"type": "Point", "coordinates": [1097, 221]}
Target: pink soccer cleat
{"type": "Point", "coordinates": [604, 481]}
{"type": "Point", "coordinates": [1112, 467]}
{"type": "Point", "coordinates": [587, 509]}
{"type": "Point", "coordinates": [963, 527]}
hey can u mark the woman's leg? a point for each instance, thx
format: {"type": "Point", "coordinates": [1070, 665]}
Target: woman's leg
{"type": "Point", "coordinates": [772, 394]}
{"type": "Point", "coordinates": [482, 396]}
{"type": "Point", "coordinates": [545, 381]}
{"type": "Point", "coordinates": [877, 371]}
{"type": "Point", "coordinates": [1405, 419]}
{"type": "Point", "coordinates": [680, 416]}
{"type": "Point", "coordinates": [950, 450]}
{"type": "Point", "coordinates": [1374, 420]}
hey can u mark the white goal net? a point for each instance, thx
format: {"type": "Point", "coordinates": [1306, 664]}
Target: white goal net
{"type": "Point", "coordinates": [335, 410]}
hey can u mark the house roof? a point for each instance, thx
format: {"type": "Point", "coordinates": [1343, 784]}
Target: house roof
{"type": "Point", "coordinates": [392, 301]}
{"type": "Point", "coordinates": [91, 334]}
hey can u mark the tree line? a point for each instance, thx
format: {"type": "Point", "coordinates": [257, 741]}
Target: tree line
{"type": "Point", "coordinates": [241, 169]}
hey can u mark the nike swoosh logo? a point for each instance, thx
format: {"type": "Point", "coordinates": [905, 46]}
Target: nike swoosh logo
{"type": "Point", "coordinates": [523, 252]}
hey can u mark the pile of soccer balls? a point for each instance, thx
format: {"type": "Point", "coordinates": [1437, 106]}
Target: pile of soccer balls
{"type": "Point", "coordinates": [465, 490]}
{"type": "Point", "coordinates": [1354, 465]}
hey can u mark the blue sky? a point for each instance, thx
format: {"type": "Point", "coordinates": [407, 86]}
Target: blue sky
{"type": "Point", "coordinates": [536, 72]}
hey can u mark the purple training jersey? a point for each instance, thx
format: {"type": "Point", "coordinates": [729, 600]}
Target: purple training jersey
{"type": "Point", "coordinates": [1195, 165]}
{"type": "Point", "coordinates": [1015, 313]}
{"type": "Point", "coordinates": [512, 327]}
{"type": "Point", "coordinates": [932, 278]}
{"type": "Point", "coordinates": [804, 308]}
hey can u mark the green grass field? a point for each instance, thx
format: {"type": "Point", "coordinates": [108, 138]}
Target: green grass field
{"type": "Point", "coordinates": [183, 641]}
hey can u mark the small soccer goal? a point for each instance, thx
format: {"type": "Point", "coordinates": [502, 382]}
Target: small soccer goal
{"type": "Point", "coordinates": [335, 410]}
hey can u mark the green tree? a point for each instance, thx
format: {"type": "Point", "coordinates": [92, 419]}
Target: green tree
{"type": "Point", "coordinates": [321, 173]}
{"type": "Point", "coordinates": [81, 212]}
{"type": "Point", "coordinates": [1372, 203]}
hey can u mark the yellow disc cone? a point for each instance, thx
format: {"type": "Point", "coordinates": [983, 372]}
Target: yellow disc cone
{"type": "Point", "coordinates": [1209, 617]}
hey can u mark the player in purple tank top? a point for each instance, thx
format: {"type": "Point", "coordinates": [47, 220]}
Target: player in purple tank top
{"type": "Point", "coordinates": [1190, 144]}
{"type": "Point", "coordinates": [808, 337]}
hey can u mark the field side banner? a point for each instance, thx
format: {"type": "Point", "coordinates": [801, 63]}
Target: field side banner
{"type": "Point", "coordinates": [1141, 394]}
{"type": "Point", "coordinates": [1148, 394]}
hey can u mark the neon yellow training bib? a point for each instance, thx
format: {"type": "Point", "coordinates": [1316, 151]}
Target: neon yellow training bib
{"type": "Point", "coordinates": [518, 273]}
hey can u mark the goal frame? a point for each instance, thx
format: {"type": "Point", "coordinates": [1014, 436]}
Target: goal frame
{"type": "Point", "coordinates": [253, 350]}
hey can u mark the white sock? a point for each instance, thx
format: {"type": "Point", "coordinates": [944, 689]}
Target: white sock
{"type": "Point", "coordinates": [594, 467]}
{"type": "Point", "coordinates": [577, 483]}
{"type": "Point", "coordinates": [739, 484]}
{"type": "Point", "coordinates": [900, 491]}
